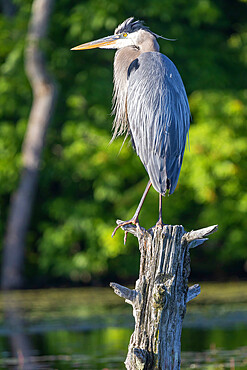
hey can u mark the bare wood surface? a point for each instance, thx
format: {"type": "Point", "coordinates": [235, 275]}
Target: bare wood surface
{"type": "Point", "coordinates": [160, 295]}
{"type": "Point", "coordinates": [44, 95]}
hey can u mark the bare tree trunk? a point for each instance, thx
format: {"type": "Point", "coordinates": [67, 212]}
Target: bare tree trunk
{"type": "Point", "coordinates": [44, 95]}
{"type": "Point", "coordinates": [160, 295]}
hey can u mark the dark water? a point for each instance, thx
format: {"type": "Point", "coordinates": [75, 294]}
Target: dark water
{"type": "Point", "coordinates": [91, 328]}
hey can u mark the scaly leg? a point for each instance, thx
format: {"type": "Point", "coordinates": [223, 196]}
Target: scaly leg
{"type": "Point", "coordinates": [160, 220]}
{"type": "Point", "coordinates": [134, 220]}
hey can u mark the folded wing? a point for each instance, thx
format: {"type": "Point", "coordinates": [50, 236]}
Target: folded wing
{"type": "Point", "coordinates": [159, 117]}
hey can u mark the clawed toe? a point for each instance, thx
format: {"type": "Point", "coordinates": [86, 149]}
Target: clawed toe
{"type": "Point", "coordinates": [120, 225]}
{"type": "Point", "coordinates": [133, 221]}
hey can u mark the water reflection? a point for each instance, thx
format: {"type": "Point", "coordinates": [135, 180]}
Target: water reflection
{"type": "Point", "coordinates": [20, 343]}
{"type": "Point", "coordinates": [91, 328]}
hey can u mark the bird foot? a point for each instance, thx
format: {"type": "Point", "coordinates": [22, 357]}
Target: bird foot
{"type": "Point", "coordinates": [160, 223]}
{"type": "Point", "coordinates": [133, 221]}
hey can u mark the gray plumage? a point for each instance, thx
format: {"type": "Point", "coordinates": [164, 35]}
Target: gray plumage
{"type": "Point", "coordinates": [150, 103]}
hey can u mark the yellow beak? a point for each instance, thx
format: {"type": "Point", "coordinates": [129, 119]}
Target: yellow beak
{"type": "Point", "coordinates": [100, 43]}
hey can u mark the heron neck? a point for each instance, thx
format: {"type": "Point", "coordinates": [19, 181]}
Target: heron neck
{"type": "Point", "coordinates": [123, 58]}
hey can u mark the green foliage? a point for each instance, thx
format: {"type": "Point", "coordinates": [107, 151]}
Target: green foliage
{"type": "Point", "coordinates": [215, 169]}
{"type": "Point", "coordinates": [85, 183]}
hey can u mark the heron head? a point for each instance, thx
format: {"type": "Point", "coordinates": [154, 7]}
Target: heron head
{"type": "Point", "coordinates": [129, 33]}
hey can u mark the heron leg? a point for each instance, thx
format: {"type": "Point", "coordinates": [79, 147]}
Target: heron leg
{"type": "Point", "coordinates": [134, 220]}
{"type": "Point", "coordinates": [160, 220]}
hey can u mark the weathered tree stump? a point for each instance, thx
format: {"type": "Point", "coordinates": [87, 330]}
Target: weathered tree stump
{"type": "Point", "coordinates": [160, 295]}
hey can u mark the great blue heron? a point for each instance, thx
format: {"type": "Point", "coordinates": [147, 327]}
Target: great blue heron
{"type": "Point", "coordinates": [150, 104]}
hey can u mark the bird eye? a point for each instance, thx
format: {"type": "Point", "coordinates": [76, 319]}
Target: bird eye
{"type": "Point", "coordinates": [125, 34]}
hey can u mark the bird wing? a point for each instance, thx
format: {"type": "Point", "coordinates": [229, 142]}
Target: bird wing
{"type": "Point", "coordinates": [159, 117]}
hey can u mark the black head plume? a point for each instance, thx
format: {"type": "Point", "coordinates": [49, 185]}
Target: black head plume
{"type": "Point", "coordinates": [130, 25]}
